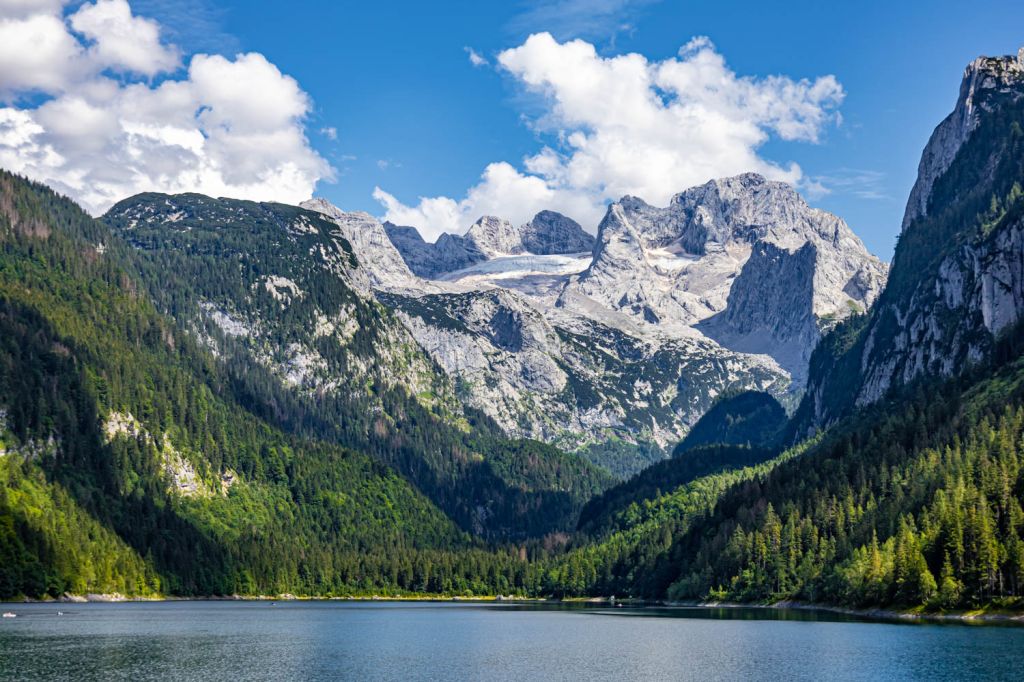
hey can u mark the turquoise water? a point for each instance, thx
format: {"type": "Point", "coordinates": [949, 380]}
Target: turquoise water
{"type": "Point", "coordinates": [457, 641]}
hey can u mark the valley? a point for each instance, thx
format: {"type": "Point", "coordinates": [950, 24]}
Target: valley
{"type": "Point", "coordinates": [727, 398]}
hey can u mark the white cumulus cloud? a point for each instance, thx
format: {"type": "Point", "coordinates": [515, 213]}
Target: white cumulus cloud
{"type": "Point", "coordinates": [627, 125]}
{"type": "Point", "coordinates": [122, 41]}
{"type": "Point", "coordinates": [115, 112]}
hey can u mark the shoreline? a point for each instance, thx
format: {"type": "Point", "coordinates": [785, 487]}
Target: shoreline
{"type": "Point", "coordinates": [976, 617]}
{"type": "Point", "coordinates": [117, 598]}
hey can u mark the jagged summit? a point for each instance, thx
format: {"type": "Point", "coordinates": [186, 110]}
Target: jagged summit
{"type": "Point", "coordinates": [744, 259]}
{"type": "Point", "coordinates": [493, 237]}
{"type": "Point", "coordinates": [984, 78]}
{"type": "Point", "coordinates": [321, 205]}
{"type": "Point", "coordinates": [552, 233]}
{"type": "Point", "coordinates": [957, 284]}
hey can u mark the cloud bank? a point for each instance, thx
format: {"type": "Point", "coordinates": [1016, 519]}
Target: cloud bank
{"type": "Point", "coordinates": [626, 125]}
{"type": "Point", "coordinates": [96, 104]}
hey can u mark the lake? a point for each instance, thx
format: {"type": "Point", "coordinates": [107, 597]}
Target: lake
{"type": "Point", "coordinates": [333, 640]}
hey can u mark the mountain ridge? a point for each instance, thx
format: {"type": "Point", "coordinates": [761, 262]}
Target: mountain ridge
{"type": "Point", "coordinates": [958, 286]}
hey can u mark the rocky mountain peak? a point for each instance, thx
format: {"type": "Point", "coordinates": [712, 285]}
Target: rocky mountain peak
{"type": "Point", "coordinates": [550, 233]}
{"type": "Point", "coordinates": [547, 234]}
{"type": "Point", "coordinates": [957, 285]}
{"type": "Point", "coordinates": [494, 237]}
{"type": "Point", "coordinates": [983, 78]}
{"type": "Point", "coordinates": [708, 252]}
{"type": "Point", "coordinates": [321, 205]}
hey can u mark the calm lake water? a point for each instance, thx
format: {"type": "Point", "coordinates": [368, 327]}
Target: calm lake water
{"type": "Point", "coordinates": [457, 641]}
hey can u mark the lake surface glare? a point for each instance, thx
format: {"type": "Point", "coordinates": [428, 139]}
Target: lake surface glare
{"type": "Point", "coordinates": [333, 640]}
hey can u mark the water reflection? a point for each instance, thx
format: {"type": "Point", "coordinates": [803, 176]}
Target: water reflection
{"type": "Point", "coordinates": [368, 641]}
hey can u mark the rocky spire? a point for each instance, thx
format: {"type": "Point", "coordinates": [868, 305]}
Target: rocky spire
{"type": "Point", "coordinates": [983, 77]}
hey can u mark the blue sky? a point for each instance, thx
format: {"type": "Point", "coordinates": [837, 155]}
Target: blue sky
{"type": "Point", "coordinates": [393, 78]}
{"type": "Point", "coordinates": [394, 101]}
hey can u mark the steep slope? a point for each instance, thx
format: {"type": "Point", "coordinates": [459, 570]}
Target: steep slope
{"type": "Point", "coordinates": [421, 258]}
{"type": "Point", "coordinates": [574, 382]}
{"type": "Point", "coordinates": [745, 260]}
{"type": "Point", "coordinates": [551, 234]}
{"type": "Point", "coordinates": [746, 418]}
{"type": "Point", "coordinates": [279, 295]}
{"type": "Point", "coordinates": [128, 466]}
{"type": "Point", "coordinates": [381, 261]}
{"type": "Point", "coordinates": [914, 502]}
{"type": "Point", "coordinates": [494, 237]}
{"type": "Point", "coordinates": [915, 499]}
{"type": "Point", "coordinates": [727, 289]}
{"type": "Point", "coordinates": [958, 281]}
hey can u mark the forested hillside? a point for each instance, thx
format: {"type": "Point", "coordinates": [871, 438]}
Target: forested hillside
{"type": "Point", "coordinates": [273, 291]}
{"type": "Point", "coordinates": [128, 465]}
{"type": "Point", "coordinates": [915, 502]}
{"type": "Point", "coordinates": [197, 397]}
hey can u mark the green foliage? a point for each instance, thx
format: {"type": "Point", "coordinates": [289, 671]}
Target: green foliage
{"type": "Point", "coordinates": [915, 503]}
{"type": "Point", "coordinates": [746, 418]}
{"type": "Point", "coordinates": [50, 545]}
{"type": "Point", "coordinates": [87, 509]}
{"type": "Point", "coordinates": [627, 535]}
{"type": "Point", "coordinates": [621, 458]}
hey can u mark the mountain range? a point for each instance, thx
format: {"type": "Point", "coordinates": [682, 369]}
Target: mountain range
{"type": "Point", "coordinates": [726, 398]}
{"type": "Point", "coordinates": [614, 346]}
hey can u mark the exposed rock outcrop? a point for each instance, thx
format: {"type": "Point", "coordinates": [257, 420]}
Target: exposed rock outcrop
{"type": "Point", "coordinates": [744, 259]}
{"type": "Point", "coordinates": [494, 237]}
{"type": "Point", "coordinates": [573, 380]}
{"type": "Point", "coordinates": [551, 234]}
{"type": "Point", "coordinates": [381, 261]}
{"type": "Point", "coordinates": [982, 77]}
{"type": "Point", "coordinates": [957, 283]}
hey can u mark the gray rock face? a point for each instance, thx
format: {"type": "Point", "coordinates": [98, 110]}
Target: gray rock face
{"type": "Point", "coordinates": [574, 381]}
{"type": "Point", "coordinates": [494, 237]}
{"type": "Point", "coordinates": [743, 259]}
{"type": "Point", "coordinates": [958, 274]}
{"type": "Point", "coordinates": [727, 288]}
{"type": "Point", "coordinates": [982, 76]}
{"type": "Point", "coordinates": [955, 312]}
{"type": "Point", "coordinates": [454, 253]}
{"type": "Point", "coordinates": [381, 261]}
{"type": "Point", "coordinates": [450, 252]}
{"type": "Point", "coordinates": [951, 321]}
{"type": "Point", "coordinates": [550, 234]}
{"type": "Point", "coordinates": [770, 308]}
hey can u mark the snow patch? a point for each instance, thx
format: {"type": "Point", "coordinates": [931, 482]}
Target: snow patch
{"type": "Point", "coordinates": [303, 225]}
{"type": "Point", "coordinates": [505, 267]}
{"type": "Point", "coordinates": [669, 260]}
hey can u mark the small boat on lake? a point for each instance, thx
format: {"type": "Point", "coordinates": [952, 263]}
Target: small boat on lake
{"type": "Point", "coordinates": [10, 614]}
